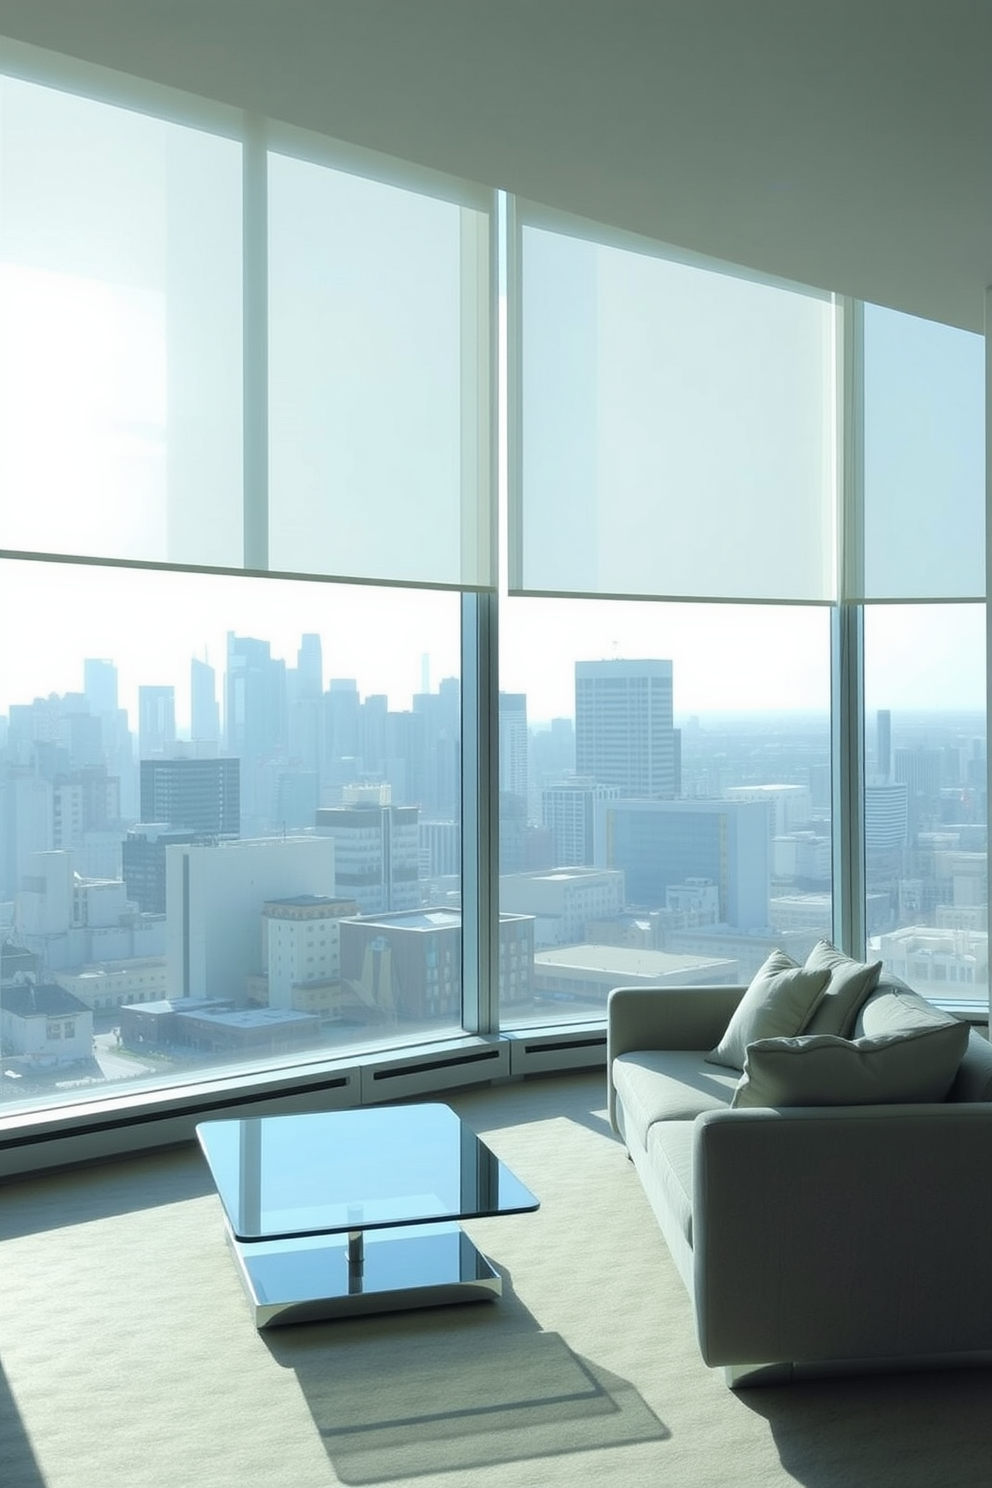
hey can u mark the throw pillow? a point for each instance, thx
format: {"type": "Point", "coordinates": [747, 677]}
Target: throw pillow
{"type": "Point", "coordinates": [850, 983]}
{"type": "Point", "coordinates": [824, 1070]}
{"type": "Point", "coordinates": [896, 1008]}
{"type": "Point", "coordinates": [778, 1002]}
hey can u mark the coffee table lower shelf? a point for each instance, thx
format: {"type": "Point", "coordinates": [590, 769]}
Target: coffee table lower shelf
{"type": "Point", "coordinates": [306, 1279]}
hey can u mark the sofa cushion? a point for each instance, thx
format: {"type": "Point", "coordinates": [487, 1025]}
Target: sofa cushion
{"type": "Point", "coordinates": [825, 1070]}
{"type": "Point", "coordinates": [778, 1003]}
{"type": "Point", "coordinates": [670, 1148]}
{"type": "Point", "coordinates": [850, 983]}
{"type": "Point", "coordinates": [667, 1085]}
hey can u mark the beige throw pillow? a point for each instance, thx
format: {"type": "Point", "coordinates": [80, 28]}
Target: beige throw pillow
{"type": "Point", "coordinates": [778, 1003]}
{"type": "Point", "coordinates": [850, 983]}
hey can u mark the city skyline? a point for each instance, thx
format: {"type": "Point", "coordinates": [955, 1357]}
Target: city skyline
{"type": "Point", "coordinates": [756, 659]}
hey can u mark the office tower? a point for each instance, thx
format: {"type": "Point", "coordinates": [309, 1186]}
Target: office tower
{"type": "Point", "coordinates": [256, 722]}
{"type": "Point", "coordinates": [624, 735]}
{"type": "Point", "coordinates": [663, 844]}
{"type": "Point", "coordinates": [376, 849]}
{"type": "Point", "coordinates": [215, 894]}
{"type": "Point", "coordinates": [201, 795]}
{"type": "Point", "coordinates": [341, 704]}
{"type": "Point", "coordinates": [513, 782]}
{"type": "Point", "coordinates": [886, 817]}
{"type": "Point", "coordinates": [883, 744]}
{"type": "Point", "coordinates": [568, 811]}
{"type": "Point", "coordinates": [513, 775]}
{"type": "Point", "coordinates": [432, 763]}
{"type": "Point", "coordinates": [204, 708]}
{"type": "Point", "coordinates": [143, 863]}
{"type": "Point", "coordinates": [100, 685]}
{"type": "Point", "coordinates": [372, 733]}
{"type": "Point", "coordinates": [255, 699]}
{"type": "Point", "coordinates": [309, 667]}
{"type": "Point", "coordinates": [156, 720]}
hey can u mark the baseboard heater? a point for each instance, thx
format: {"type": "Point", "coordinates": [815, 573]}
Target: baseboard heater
{"type": "Point", "coordinates": [124, 1128]}
{"type": "Point", "coordinates": [392, 1081]}
{"type": "Point", "coordinates": [543, 1055]}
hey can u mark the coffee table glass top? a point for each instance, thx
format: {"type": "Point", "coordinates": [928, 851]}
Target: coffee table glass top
{"type": "Point", "coordinates": [374, 1167]}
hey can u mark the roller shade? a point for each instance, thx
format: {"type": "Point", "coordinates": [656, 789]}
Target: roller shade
{"type": "Point", "coordinates": [924, 459]}
{"type": "Point", "coordinates": [120, 352]}
{"type": "Point", "coordinates": [379, 379]}
{"type": "Point", "coordinates": [674, 432]}
{"type": "Point", "coordinates": [131, 423]}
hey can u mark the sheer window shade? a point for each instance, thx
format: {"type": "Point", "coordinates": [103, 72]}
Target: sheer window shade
{"type": "Point", "coordinates": [379, 401]}
{"type": "Point", "coordinates": [676, 429]}
{"type": "Point", "coordinates": [924, 473]}
{"type": "Point", "coordinates": [120, 358]}
{"type": "Point", "coordinates": [123, 355]}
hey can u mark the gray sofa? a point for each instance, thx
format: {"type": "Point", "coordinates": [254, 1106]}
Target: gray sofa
{"type": "Point", "coordinates": [810, 1238]}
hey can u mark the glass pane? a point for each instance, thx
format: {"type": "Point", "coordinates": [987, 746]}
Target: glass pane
{"type": "Point", "coordinates": [677, 429]}
{"type": "Point", "coordinates": [230, 841]}
{"type": "Point", "coordinates": [120, 333]}
{"type": "Point", "coordinates": [664, 795]}
{"type": "Point", "coordinates": [924, 436]}
{"type": "Point", "coordinates": [926, 802]}
{"type": "Point", "coordinates": [377, 361]}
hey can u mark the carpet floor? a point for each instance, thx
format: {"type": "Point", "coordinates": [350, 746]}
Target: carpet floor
{"type": "Point", "coordinates": [128, 1358]}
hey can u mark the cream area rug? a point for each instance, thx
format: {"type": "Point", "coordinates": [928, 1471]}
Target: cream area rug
{"type": "Point", "coordinates": [129, 1359]}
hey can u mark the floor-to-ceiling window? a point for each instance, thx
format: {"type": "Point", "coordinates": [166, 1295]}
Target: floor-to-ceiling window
{"type": "Point", "coordinates": [245, 463]}
{"type": "Point", "coordinates": [923, 572]}
{"type": "Point", "coordinates": [255, 780]}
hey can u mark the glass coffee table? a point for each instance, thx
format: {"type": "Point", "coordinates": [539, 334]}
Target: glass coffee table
{"type": "Point", "coordinates": [342, 1212]}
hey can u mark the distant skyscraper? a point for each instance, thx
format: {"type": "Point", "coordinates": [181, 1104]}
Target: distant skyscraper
{"type": "Point", "coordinates": [100, 685]}
{"type": "Point", "coordinates": [513, 743]}
{"type": "Point", "coordinates": [204, 709]}
{"type": "Point", "coordinates": [883, 748]}
{"type": "Point", "coordinates": [201, 795]}
{"type": "Point", "coordinates": [156, 720]}
{"type": "Point", "coordinates": [624, 734]}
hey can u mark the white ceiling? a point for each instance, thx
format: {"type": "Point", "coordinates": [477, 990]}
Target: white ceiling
{"type": "Point", "coordinates": [843, 143]}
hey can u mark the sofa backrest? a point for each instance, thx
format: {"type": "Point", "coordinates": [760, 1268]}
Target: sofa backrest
{"type": "Point", "coordinates": [973, 1081]}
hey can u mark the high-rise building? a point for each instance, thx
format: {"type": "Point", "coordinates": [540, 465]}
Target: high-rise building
{"type": "Point", "coordinates": [100, 685]}
{"type": "Point", "coordinates": [659, 844]}
{"type": "Point", "coordinates": [204, 709]}
{"type": "Point", "coordinates": [568, 811]}
{"type": "Point", "coordinates": [156, 720]}
{"type": "Point", "coordinates": [201, 795]}
{"type": "Point", "coordinates": [624, 733]}
{"type": "Point", "coordinates": [513, 743]}
{"type": "Point", "coordinates": [376, 849]}
{"type": "Point", "coordinates": [883, 744]}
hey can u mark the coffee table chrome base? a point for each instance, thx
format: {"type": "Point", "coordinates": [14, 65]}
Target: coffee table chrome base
{"type": "Point", "coordinates": [330, 1276]}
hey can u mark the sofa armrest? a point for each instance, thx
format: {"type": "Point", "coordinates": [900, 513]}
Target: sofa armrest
{"type": "Point", "coordinates": [836, 1233]}
{"type": "Point", "coordinates": [664, 1018]}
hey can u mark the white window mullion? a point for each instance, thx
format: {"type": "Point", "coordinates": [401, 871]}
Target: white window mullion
{"type": "Point", "coordinates": [847, 643]}
{"type": "Point", "coordinates": [256, 346]}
